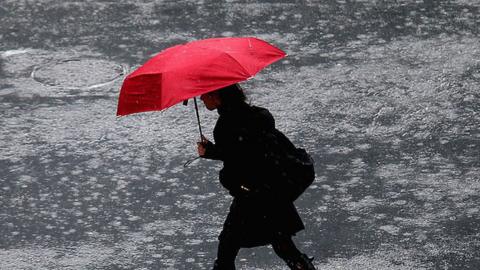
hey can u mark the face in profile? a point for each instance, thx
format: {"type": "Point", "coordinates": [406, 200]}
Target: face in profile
{"type": "Point", "coordinates": [211, 100]}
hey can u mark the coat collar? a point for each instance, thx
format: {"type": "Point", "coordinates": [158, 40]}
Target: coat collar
{"type": "Point", "coordinates": [233, 108]}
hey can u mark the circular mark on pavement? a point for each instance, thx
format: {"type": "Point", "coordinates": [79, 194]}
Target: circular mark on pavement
{"type": "Point", "coordinates": [78, 73]}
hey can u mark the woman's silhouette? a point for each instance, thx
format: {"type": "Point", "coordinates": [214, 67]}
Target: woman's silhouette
{"type": "Point", "coordinates": [257, 215]}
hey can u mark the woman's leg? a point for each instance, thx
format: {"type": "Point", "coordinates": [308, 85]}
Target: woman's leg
{"type": "Point", "coordinates": [227, 252]}
{"type": "Point", "coordinates": [285, 248]}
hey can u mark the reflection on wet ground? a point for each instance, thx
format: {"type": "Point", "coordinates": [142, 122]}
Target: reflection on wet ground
{"type": "Point", "coordinates": [384, 94]}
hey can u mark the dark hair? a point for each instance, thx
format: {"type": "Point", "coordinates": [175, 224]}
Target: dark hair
{"type": "Point", "coordinates": [232, 95]}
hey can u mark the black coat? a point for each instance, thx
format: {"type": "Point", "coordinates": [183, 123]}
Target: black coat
{"type": "Point", "coordinates": [257, 214]}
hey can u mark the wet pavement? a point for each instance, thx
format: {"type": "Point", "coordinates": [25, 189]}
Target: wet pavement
{"type": "Point", "coordinates": [383, 93]}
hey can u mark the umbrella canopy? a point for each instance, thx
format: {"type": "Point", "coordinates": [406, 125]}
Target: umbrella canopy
{"type": "Point", "coordinates": [192, 69]}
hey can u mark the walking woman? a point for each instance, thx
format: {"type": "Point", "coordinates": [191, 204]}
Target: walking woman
{"type": "Point", "coordinates": [258, 216]}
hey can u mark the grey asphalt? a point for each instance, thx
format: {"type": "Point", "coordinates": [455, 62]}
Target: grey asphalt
{"type": "Point", "coordinates": [383, 93]}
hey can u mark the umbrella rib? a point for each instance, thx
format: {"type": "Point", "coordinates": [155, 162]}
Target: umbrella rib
{"type": "Point", "coordinates": [240, 65]}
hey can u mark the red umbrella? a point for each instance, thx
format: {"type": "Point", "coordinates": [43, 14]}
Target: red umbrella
{"type": "Point", "coordinates": [192, 69]}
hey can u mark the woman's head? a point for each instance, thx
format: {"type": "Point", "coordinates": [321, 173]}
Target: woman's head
{"type": "Point", "coordinates": [224, 97]}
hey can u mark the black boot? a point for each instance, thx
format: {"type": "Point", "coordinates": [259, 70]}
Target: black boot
{"type": "Point", "coordinates": [302, 263]}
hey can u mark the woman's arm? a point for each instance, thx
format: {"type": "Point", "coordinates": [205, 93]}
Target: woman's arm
{"type": "Point", "coordinates": [209, 150]}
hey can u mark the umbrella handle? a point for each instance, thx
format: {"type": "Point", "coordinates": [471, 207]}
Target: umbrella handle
{"type": "Point", "coordinates": [198, 119]}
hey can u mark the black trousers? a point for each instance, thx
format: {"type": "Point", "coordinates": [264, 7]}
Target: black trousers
{"type": "Point", "coordinates": [228, 249]}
